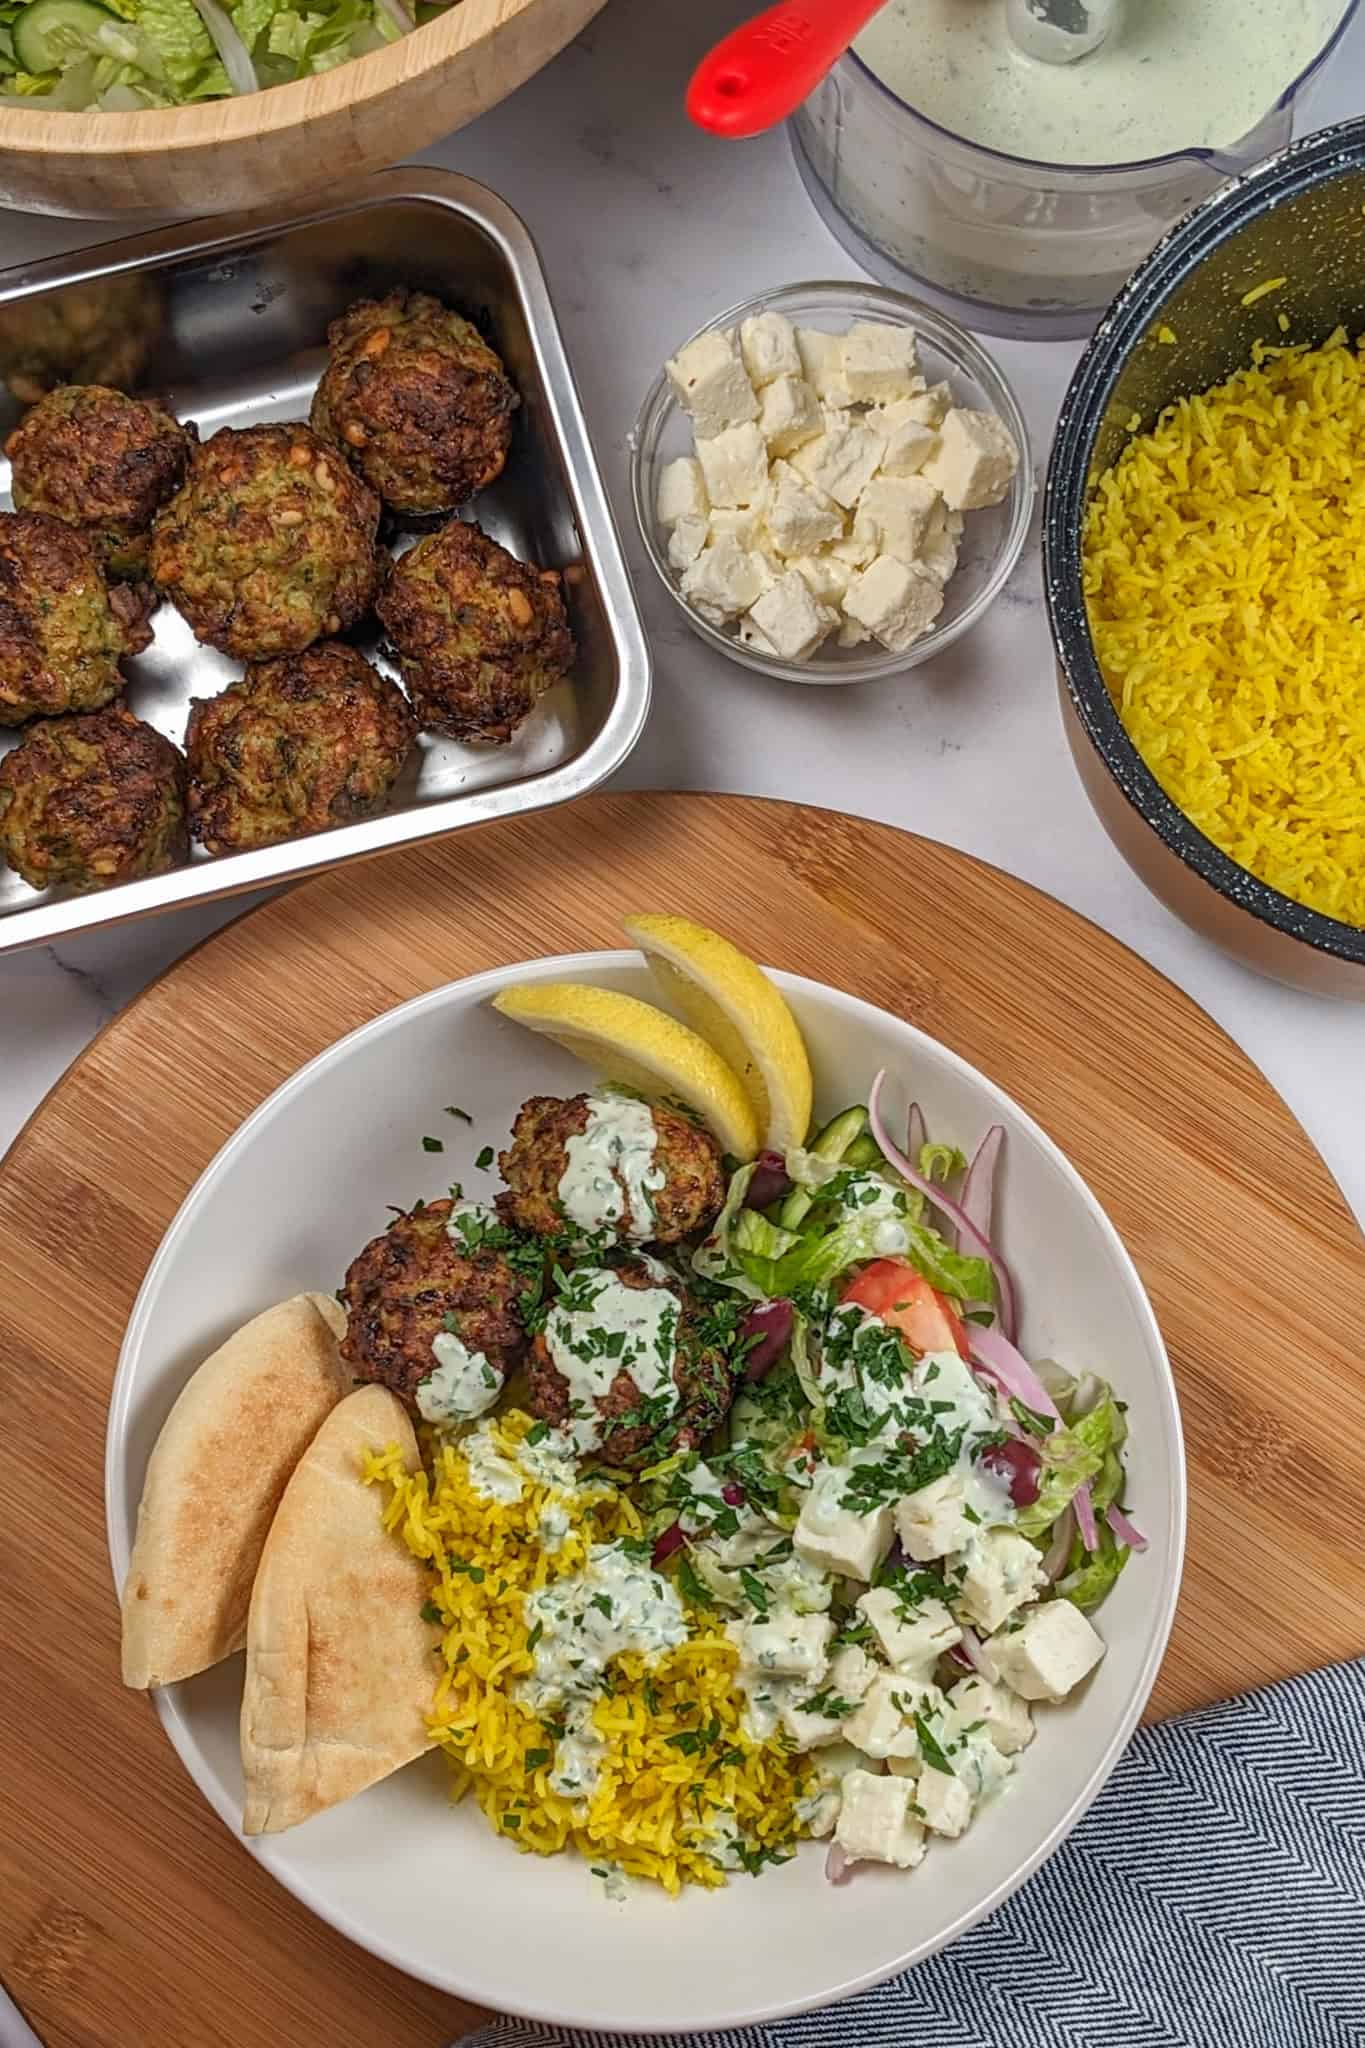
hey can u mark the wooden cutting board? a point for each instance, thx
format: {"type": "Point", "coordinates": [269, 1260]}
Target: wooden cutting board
{"type": "Point", "coordinates": [127, 1912]}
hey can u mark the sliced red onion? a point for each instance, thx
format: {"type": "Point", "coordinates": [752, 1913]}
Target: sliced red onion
{"type": "Point", "coordinates": [978, 1187]}
{"type": "Point", "coordinates": [770, 1181]}
{"type": "Point", "coordinates": [394, 11]}
{"type": "Point", "coordinates": [1085, 1517]}
{"type": "Point", "coordinates": [1127, 1532]}
{"type": "Point", "coordinates": [1019, 1462]}
{"type": "Point", "coordinates": [839, 1865]}
{"type": "Point", "coordinates": [969, 1237]}
{"type": "Point", "coordinates": [732, 1495]}
{"type": "Point", "coordinates": [957, 1655]}
{"type": "Point", "coordinates": [992, 1349]}
{"type": "Point", "coordinates": [916, 1131]}
{"type": "Point", "coordinates": [1059, 1550]}
{"type": "Point", "coordinates": [970, 1646]}
{"type": "Point", "coordinates": [233, 52]}
{"type": "Point", "coordinates": [771, 1322]}
{"type": "Point", "coordinates": [672, 1539]}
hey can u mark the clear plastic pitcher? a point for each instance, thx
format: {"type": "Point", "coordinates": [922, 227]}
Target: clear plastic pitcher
{"type": "Point", "coordinates": [1033, 250]}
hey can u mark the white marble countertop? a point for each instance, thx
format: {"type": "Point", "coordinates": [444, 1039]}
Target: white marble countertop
{"type": "Point", "coordinates": [645, 228]}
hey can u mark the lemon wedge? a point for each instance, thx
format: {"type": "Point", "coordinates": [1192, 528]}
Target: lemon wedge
{"type": "Point", "coordinates": [732, 1004]}
{"type": "Point", "coordinates": [633, 1043]}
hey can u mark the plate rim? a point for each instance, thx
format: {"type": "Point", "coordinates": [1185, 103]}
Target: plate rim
{"type": "Point", "coordinates": [548, 2011]}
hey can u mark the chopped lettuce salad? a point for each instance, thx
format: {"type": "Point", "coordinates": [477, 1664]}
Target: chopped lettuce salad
{"type": "Point", "coordinates": [123, 56]}
{"type": "Point", "coordinates": [906, 1524]}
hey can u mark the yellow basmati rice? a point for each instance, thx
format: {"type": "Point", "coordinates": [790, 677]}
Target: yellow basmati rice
{"type": "Point", "coordinates": [1225, 581]}
{"type": "Point", "coordinates": [659, 1807]}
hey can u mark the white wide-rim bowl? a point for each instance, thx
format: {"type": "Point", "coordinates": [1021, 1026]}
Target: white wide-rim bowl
{"type": "Point", "coordinates": [285, 1205]}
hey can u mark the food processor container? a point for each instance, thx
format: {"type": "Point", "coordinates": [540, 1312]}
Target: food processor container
{"type": "Point", "coordinates": [1030, 250]}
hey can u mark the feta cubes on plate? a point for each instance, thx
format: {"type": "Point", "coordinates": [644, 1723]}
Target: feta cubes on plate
{"type": "Point", "coordinates": [999, 1571]}
{"type": "Point", "coordinates": [837, 1538]}
{"type": "Point", "coordinates": [875, 1823]}
{"type": "Point", "coordinates": [913, 1639]}
{"type": "Point", "coordinates": [825, 495]}
{"type": "Point", "coordinates": [1005, 1716]}
{"type": "Point", "coordinates": [1050, 1651]}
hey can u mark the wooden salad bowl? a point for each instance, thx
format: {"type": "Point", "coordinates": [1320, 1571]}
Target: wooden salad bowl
{"type": "Point", "coordinates": [265, 147]}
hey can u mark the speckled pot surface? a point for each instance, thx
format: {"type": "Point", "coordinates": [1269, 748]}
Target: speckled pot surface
{"type": "Point", "coordinates": [1300, 216]}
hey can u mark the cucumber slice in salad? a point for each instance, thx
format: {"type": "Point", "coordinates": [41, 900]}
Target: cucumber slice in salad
{"type": "Point", "coordinates": [833, 1142]}
{"type": "Point", "coordinates": [47, 30]}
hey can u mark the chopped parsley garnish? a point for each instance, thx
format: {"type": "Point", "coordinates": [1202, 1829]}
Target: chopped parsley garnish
{"type": "Point", "coordinates": [1030, 1419]}
{"type": "Point", "coordinates": [511, 1821]}
{"type": "Point", "coordinates": [901, 1471]}
{"type": "Point", "coordinates": [462, 1114]}
{"type": "Point", "coordinates": [602, 1602]}
{"type": "Point", "coordinates": [536, 1757]}
{"type": "Point", "coordinates": [475, 1573]}
{"type": "Point", "coordinates": [537, 1433]}
{"type": "Point", "coordinates": [930, 1748]}
{"type": "Point", "coordinates": [830, 1704]}
{"type": "Point", "coordinates": [691, 1585]}
{"type": "Point", "coordinates": [432, 1613]}
{"type": "Point", "coordinates": [485, 1159]}
{"type": "Point", "coordinates": [535, 1635]}
{"type": "Point", "coordinates": [432, 1145]}
{"type": "Point", "coordinates": [450, 1323]}
{"type": "Point", "coordinates": [756, 1592]}
{"type": "Point", "coordinates": [692, 1741]}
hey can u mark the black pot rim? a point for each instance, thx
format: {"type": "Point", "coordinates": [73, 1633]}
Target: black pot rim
{"type": "Point", "coordinates": [1314, 161]}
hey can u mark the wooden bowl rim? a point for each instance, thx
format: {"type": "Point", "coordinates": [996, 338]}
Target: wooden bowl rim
{"type": "Point", "coordinates": [212, 123]}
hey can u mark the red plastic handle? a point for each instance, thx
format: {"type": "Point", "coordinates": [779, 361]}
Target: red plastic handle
{"type": "Point", "coordinates": [761, 73]}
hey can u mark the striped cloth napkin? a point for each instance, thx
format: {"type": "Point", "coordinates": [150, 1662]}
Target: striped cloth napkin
{"type": "Point", "coordinates": [1213, 1897]}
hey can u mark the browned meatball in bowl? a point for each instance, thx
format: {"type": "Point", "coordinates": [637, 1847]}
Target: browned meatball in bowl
{"type": "Point", "coordinates": [301, 743]}
{"type": "Point", "coordinates": [87, 802]}
{"type": "Point", "coordinates": [417, 402]}
{"type": "Point", "coordinates": [63, 629]}
{"type": "Point", "coordinates": [621, 1364]}
{"type": "Point", "coordinates": [270, 544]}
{"type": "Point", "coordinates": [103, 463]}
{"type": "Point", "coordinates": [433, 1312]}
{"type": "Point", "coordinates": [608, 1163]}
{"type": "Point", "coordinates": [97, 333]}
{"type": "Point", "coordinates": [480, 637]}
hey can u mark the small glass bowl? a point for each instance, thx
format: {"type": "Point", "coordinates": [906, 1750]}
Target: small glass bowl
{"type": "Point", "coordinates": [992, 539]}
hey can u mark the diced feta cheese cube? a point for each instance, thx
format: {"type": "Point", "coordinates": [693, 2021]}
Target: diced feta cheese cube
{"type": "Point", "coordinates": [743, 523]}
{"type": "Point", "coordinates": [853, 551]}
{"type": "Point", "coordinates": [754, 636]}
{"type": "Point", "coordinates": [974, 461]}
{"type": "Point", "coordinates": [851, 1672]}
{"type": "Point", "coordinates": [894, 513]}
{"type": "Point", "coordinates": [682, 491]}
{"type": "Point", "coordinates": [932, 1521]}
{"type": "Point", "coordinates": [822, 364]}
{"type": "Point", "coordinates": [1007, 1719]}
{"type": "Point", "coordinates": [735, 465]}
{"type": "Point", "coordinates": [800, 518]}
{"type": "Point", "coordinates": [711, 383]}
{"type": "Point", "coordinates": [880, 362]}
{"type": "Point", "coordinates": [787, 1645]}
{"type": "Point", "coordinates": [849, 1675]}
{"type": "Point", "coordinates": [686, 541]}
{"type": "Point", "coordinates": [939, 555]}
{"type": "Point", "coordinates": [930, 407]}
{"type": "Point", "coordinates": [789, 414]}
{"type": "Point", "coordinates": [825, 577]}
{"type": "Point", "coordinates": [910, 441]}
{"type": "Point", "coordinates": [998, 1571]}
{"type": "Point", "coordinates": [831, 1764]}
{"type": "Point", "coordinates": [875, 1824]}
{"type": "Point", "coordinates": [913, 1641]}
{"type": "Point", "coordinates": [895, 601]}
{"type": "Point", "coordinates": [836, 1538]}
{"type": "Point", "coordinates": [1053, 1648]}
{"type": "Point", "coordinates": [768, 344]}
{"type": "Point", "coordinates": [842, 461]}
{"type": "Point", "coordinates": [792, 619]}
{"type": "Point", "coordinates": [881, 1726]}
{"type": "Point", "coordinates": [724, 580]}
{"type": "Point", "coordinates": [944, 1801]}
{"type": "Point", "coordinates": [851, 634]}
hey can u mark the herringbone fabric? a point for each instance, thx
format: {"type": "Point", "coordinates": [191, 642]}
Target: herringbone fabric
{"type": "Point", "coordinates": [1213, 1897]}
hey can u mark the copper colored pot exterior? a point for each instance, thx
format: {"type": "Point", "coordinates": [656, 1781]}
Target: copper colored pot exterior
{"type": "Point", "coordinates": [1183, 322]}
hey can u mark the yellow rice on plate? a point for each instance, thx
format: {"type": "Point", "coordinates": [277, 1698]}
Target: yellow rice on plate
{"type": "Point", "coordinates": [1224, 559]}
{"type": "Point", "coordinates": [676, 1762]}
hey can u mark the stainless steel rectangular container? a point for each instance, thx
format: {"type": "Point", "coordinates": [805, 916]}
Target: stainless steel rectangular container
{"type": "Point", "coordinates": [245, 305]}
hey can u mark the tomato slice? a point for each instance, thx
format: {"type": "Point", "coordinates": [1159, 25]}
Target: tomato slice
{"type": "Point", "coordinates": [903, 1297]}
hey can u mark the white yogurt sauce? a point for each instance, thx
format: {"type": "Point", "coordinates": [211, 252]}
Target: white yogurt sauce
{"type": "Point", "coordinates": [1172, 75]}
{"type": "Point", "coordinates": [611, 1168]}
{"type": "Point", "coordinates": [491, 1472]}
{"type": "Point", "coordinates": [463, 1386]}
{"type": "Point", "coordinates": [616, 1329]}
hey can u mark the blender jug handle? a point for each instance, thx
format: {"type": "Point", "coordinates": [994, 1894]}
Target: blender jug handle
{"type": "Point", "coordinates": [761, 72]}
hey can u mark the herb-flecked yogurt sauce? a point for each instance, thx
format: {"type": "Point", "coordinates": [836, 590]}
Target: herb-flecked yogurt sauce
{"type": "Point", "coordinates": [462, 1385]}
{"type": "Point", "coordinates": [600, 1328]}
{"type": "Point", "coordinates": [577, 1624]}
{"type": "Point", "coordinates": [611, 1166]}
{"type": "Point", "coordinates": [1172, 75]}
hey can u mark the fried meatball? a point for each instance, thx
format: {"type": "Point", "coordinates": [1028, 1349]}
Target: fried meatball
{"type": "Point", "coordinates": [99, 333]}
{"type": "Point", "coordinates": [638, 1417]}
{"type": "Point", "coordinates": [418, 1283]}
{"type": "Point", "coordinates": [269, 546]}
{"type": "Point", "coordinates": [416, 401]}
{"type": "Point", "coordinates": [300, 743]}
{"type": "Point", "coordinates": [89, 801]}
{"type": "Point", "coordinates": [480, 637]}
{"type": "Point", "coordinates": [103, 463]}
{"type": "Point", "coordinates": [687, 1203]}
{"type": "Point", "coordinates": [63, 629]}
